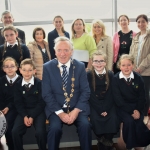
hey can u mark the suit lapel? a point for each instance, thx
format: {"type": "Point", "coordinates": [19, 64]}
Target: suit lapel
{"type": "Point", "coordinates": [56, 72]}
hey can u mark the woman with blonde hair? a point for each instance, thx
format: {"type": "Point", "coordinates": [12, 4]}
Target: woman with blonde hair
{"type": "Point", "coordinates": [84, 44]}
{"type": "Point", "coordinates": [103, 41]}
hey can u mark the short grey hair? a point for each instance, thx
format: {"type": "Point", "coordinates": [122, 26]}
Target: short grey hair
{"type": "Point", "coordinates": [6, 12]}
{"type": "Point", "coordinates": [63, 38]}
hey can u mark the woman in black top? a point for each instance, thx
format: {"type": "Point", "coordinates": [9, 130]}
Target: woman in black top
{"type": "Point", "coordinates": [122, 40]}
{"type": "Point", "coordinates": [12, 47]}
{"type": "Point", "coordinates": [58, 31]}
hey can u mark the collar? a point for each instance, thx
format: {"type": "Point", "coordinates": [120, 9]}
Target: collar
{"type": "Point", "coordinates": [67, 64]}
{"type": "Point", "coordinates": [13, 79]}
{"type": "Point", "coordinates": [122, 76]}
{"type": "Point", "coordinates": [31, 81]}
{"type": "Point", "coordinates": [103, 72]}
{"type": "Point", "coordinates": [16, 43]}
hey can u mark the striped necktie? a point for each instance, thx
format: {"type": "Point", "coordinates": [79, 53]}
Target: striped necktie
{"type": "Point", "coordinates": [64, 75]}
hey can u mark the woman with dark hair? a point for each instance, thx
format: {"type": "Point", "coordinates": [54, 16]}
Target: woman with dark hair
{"type": "Point", "coordinates": [58, 31]}
{"type": "Point", "coordinates": [39, 50]}
{"type": "Point", "coordinates": [140, 50]}
{"type": "Point", "coordinates": [122, 40]}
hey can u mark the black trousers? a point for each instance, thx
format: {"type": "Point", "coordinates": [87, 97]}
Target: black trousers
{"type": "Point", "coordinates": [147, 93]}
{"type": "Point", "coordinates": [20, 128]}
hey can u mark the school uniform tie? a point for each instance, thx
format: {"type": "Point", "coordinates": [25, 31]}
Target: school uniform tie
{"type": "Point", "coordinates": [27, 85]}
{"type": "Point", "coordinates": [11, 82]}
{"type": "Point", "coordinates": [101, 75]}
{"type": "Point", "coordinates": [64, 75]}
{"type": "Point", "coordinates": [128, 80]}
{"type": "Point", "coordinates": [10, 46]}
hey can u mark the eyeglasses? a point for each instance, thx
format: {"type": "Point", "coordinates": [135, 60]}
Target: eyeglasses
{"type": "Point", "coordinates": [7, 67]}
{"type": "Point", "coordinates": [98, 61]}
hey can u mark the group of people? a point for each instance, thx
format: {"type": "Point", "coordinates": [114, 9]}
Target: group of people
{"type": "Point", "coordinates": [76, 90]}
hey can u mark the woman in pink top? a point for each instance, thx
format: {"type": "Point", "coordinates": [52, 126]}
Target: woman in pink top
{"type": "Point", "coordinates": [122, 40]}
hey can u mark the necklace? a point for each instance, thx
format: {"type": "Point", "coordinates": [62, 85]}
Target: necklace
{"type": "Point", "coordinates": [68, 98]}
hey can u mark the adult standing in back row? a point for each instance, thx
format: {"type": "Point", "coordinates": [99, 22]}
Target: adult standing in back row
{"type": "Point", "coordinates": [7, 19]}
{"type": "Point", "coordinates": [122, 40]}
{"type": "Point", "coordinates": [58, 31]}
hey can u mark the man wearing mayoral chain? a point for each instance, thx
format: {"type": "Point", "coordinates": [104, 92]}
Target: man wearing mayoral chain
{"type": "Point", "coordinates": [66, 92]}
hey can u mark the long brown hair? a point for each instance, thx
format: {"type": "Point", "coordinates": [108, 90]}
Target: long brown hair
{"type": "Point", "coordinates": [10, 27]}
{"type": "Point", "coordinates": [100, 53]}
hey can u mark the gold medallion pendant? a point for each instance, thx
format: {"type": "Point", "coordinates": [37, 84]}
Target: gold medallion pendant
{"type": "Point", "coordinates": [68, 99]}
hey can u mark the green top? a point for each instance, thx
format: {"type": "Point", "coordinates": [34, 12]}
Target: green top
{"type": "Point", "coordinates": [85, 42]}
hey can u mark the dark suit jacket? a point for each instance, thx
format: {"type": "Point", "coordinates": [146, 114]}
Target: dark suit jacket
{"type": "Point", "coordinates": [51, 37]}
{"type": "Point", "coordinates": [21, 35]}
{"type": "Point", "coordinates": [52, 90]}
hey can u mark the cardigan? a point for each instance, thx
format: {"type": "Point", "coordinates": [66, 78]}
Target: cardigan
{"type": "Point", "coordinates": [7, 93]}
{"type": "Point", "coordinates": [85, 42]}
{"type": "Point", "coordinates": [106, 46]}
{"type": "Point", "coordinates": [144, 59]}
{"type": "Point", "coordinates": [31, 99]}
{"type": "Point", "coordinates": [14, 53]}
{"type": "Point", "coordinates": [21, 36]}
{"type": "Point", "coordinates": [116, 45]}
{"type": "Point", "coordinates": [37, 57]}
{"type": "Point", "coordinates": [51, 37]}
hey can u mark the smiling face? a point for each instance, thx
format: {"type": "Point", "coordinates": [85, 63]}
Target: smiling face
{"type": "Point", "coordinates": [7, 19]}
{"type": "Point", "coordinates": [39, 36]}
{"type": "Point", "coordinates": [78, 26]}
{"type": "Point", "coordinates": [10, 68]}
{"type": "Point", "coordinates": [27, 72]}
{"type": "Point", "coordinates": [123, 22]}
{"type": "Point", "coordinates": [58, 23]}
{"type": "Point", "coordinates": [63, 51]}
{"type": "Point", "coordinates": [99, 63]}
{"type": "Point", "coordinates": [10, 36]}
{"type": "Point", "coordinates": [97, 29]}
{"type": "Point", "coordinates": [126, 66]}
{"type": "Point", "coordinates": [142, 24]}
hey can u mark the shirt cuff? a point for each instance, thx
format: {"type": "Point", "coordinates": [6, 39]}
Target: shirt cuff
{"type": "Point", "coordinates": [58, 112]}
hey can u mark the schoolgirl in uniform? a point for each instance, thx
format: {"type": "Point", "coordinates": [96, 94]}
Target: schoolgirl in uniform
{"type": "Point", "coordinates": [12, 47]}
{"type": "Point", "coordinates": [7, 83]}
{"type": "Point", "coordinates": [129, 95]}
{"type": "Point", "coordinates": [103, 115]}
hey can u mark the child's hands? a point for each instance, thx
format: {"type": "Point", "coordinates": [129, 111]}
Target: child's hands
{"type": "Point", "coordinates": [5, 110]}
{"type": "Point", "coordinates": [104, 114]}
{"type": "Point", "coordinates": [136, 114]}
{"type": "Point", "coordinates": [27, 121]}
{"type": "Point", "coordinates": [31, 120]}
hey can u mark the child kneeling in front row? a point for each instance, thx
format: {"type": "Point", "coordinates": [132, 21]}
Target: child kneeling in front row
{"type": "Point", "coordinates": [129, 95]}
{"type": "Point", "coordinates": [30, 107]}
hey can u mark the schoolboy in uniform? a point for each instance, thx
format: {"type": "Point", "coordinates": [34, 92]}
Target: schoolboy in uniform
{"type": "Point", "coordinates": [30, 107]}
